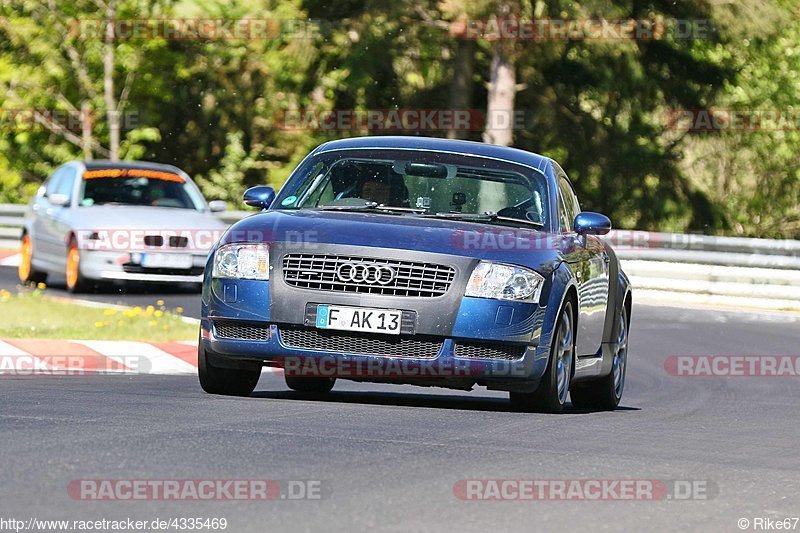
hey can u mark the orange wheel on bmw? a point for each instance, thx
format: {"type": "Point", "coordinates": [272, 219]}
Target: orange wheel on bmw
{"type": "Point", "coordinates": [26, 272]}
{"type": "Point", "coordinates": [26, 254]}
{"type": "Point", "coordinates": [73, 271]}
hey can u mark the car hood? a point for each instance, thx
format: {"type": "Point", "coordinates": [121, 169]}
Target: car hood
{"type": "Point", "coordinates": [113, 217]}
{"type": "Point", "coordinates": [308, 228]}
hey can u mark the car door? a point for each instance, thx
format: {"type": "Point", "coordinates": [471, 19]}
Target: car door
{"type": "Point", "coordinates": [589, 262]}
{"type": "Point", "coordinates": [45, 245]}
{"type": "Point", "coordinates": [59, 219]}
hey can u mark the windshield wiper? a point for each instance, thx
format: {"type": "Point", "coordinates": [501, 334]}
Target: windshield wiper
{"type": "Point", "coordinates": [486, 218]}
{"type": "Point", "coordinates": [370, 206]}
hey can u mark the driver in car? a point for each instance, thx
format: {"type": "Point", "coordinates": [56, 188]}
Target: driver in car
{"type": "Point", "coordinates": [377, 190]}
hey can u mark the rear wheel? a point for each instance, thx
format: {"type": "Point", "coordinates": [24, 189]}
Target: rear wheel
{"type": "Point", "coordinates": [225, 381]}
{"type": "Point", "coordinates": [318, 385]}
{"type": "Point", "coordinates": [605, 393]}
{"type": "Point", "coordinates": [25, 271]}
{"type": "Point", "coordinates": [76, 282]}
{"type": "Point", "coordinates": [552, 393]}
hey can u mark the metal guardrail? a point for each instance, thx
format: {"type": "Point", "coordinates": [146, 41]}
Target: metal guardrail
{"type": "Point", "coordinates": [11, 220]}
{"type": "Point", "coordinates": [12, 215]}
{"type": "Point", "coordinates": [763, 272]}
{"type": "Point", "coordinates": [708, 243]}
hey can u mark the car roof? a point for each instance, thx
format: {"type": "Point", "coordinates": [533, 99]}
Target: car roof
{"type": "Point", "coordinates": [512, 155]}
{"type": "Point", "coordinates": [104, 163]}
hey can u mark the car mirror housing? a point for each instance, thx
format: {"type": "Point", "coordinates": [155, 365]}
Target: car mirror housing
{"type": "Point", "coordinates": [58, 199]}
{"type": "Point", "coordinates": [590, 223]}
{"type": "Point", "coordinates": [259, 196]}
{"type": "Point", "coordinates": [216, 206]}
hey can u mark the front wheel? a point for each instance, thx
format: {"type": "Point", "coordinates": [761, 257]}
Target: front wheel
{"type": "Point", "coordinates": [552, 393]}
{"type": "Point", "coordinates": [225, 381]}
{"type": "Point", "coordinates": [76, 282]}
{"type": "Point", "coordinates": [605, 393]}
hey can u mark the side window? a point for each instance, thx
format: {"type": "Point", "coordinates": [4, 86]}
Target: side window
{"type": "Point", "coordinates": [570, 201]}
{"type": "Point", "coordinates": [65, 184]}
{"type": "Point", "coordinates": [53, 182]}
{"type": "Point", "coordinates": [563, 217]}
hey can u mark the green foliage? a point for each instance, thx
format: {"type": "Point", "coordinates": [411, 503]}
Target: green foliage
{"type": "Point", "coordinates": [215, 107]}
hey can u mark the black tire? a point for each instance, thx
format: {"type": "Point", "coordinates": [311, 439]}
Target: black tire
{"type": "Point", "coordinates": [36, 277]}
{"type": "Point", "coordinates": [225, 381]}
{"type": "Point", "coordinates": [605, 393]}
{"type": "Point", "coordinates": [551, 395]}
{"type": "Point", "coordinates": [315, 385]}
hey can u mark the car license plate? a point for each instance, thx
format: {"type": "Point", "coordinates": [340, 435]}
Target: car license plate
{"type": "Point", "coordinates": [180, 261]}
{"type": "Point", "coordinates": [359, 319]}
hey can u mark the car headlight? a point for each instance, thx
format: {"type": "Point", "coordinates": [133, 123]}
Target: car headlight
{"type": "Point", "coordinates": [243, 261]}
{"type": "Point", "coordinates": [504, 282]}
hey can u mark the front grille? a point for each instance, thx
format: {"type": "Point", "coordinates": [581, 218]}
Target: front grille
{"type": "Point", "coordinates": [236, 329]}
{"type": "Point", "coordinates": [359, 343]}
{"type": "Point", "coordinates": [178, 242]}
{"type": "Point", "coordinates": [320, 272]}
{"type": "Point", "coordinates": [138, 269]}
{"type": "Point", "coordinates": [482, 350]}
{"type": "Point", "coordinates": [154, 241]}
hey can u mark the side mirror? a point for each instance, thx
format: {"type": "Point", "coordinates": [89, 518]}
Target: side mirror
{"type": "Point", "coordinates": [59, 200]}
{"type": "Point", "coordinates": [260, 196]}
{"type": "Point", "coordinates": [589, 223]}
{"type": "Point", "coordinates": [216, 206]}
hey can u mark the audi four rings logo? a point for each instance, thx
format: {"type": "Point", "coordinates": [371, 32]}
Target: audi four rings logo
{"type": "Point", "coordinates": [365, 273]}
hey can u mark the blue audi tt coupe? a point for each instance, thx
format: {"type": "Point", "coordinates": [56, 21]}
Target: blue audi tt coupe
{"type": "Point", "coordinates": [421, 261]}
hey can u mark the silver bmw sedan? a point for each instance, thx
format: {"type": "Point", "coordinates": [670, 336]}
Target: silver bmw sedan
{"type": "Point", "coordinates": [102, 221]}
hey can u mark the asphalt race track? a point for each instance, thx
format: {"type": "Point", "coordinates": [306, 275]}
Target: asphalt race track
{"type": "Point", "coordinates": [388, 457]}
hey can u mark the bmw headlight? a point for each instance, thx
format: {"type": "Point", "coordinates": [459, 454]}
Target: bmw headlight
{"type": "Point", "coordinates": [243, 261]}
{"type": "Point", "coordinates": [500, 281]}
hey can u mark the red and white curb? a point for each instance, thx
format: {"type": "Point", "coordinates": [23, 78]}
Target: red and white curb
{"type": "Point", "coordinates": [27, 357]}
{"type": "Point", "coordinates": [10, 258]}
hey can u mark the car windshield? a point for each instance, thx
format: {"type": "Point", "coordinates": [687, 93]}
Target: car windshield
{"type": "Point", "coordinates": [417, 183]}
{"type": "Point", "coordinates": [140, 187]}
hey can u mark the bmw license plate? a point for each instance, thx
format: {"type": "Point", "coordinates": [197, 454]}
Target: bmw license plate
{"type": "Point", "coordinates": [177, 261]}
{"type": "Point", "coordinates": [359, 319]}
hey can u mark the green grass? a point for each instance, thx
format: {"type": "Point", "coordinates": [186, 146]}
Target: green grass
{"type": "Point", "coordinates": [30, 314]}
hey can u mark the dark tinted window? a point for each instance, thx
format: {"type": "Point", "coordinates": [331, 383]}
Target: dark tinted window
{"type": "Point", "coordinates": [430, 182]}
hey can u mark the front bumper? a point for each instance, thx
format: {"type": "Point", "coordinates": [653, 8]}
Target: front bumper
{"type": "Point", "coordinates": [123, 266]}
{"type": "Point", "coordinates": [489, 342]}
{"type": "Point", "coordinates": [444, 365]}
